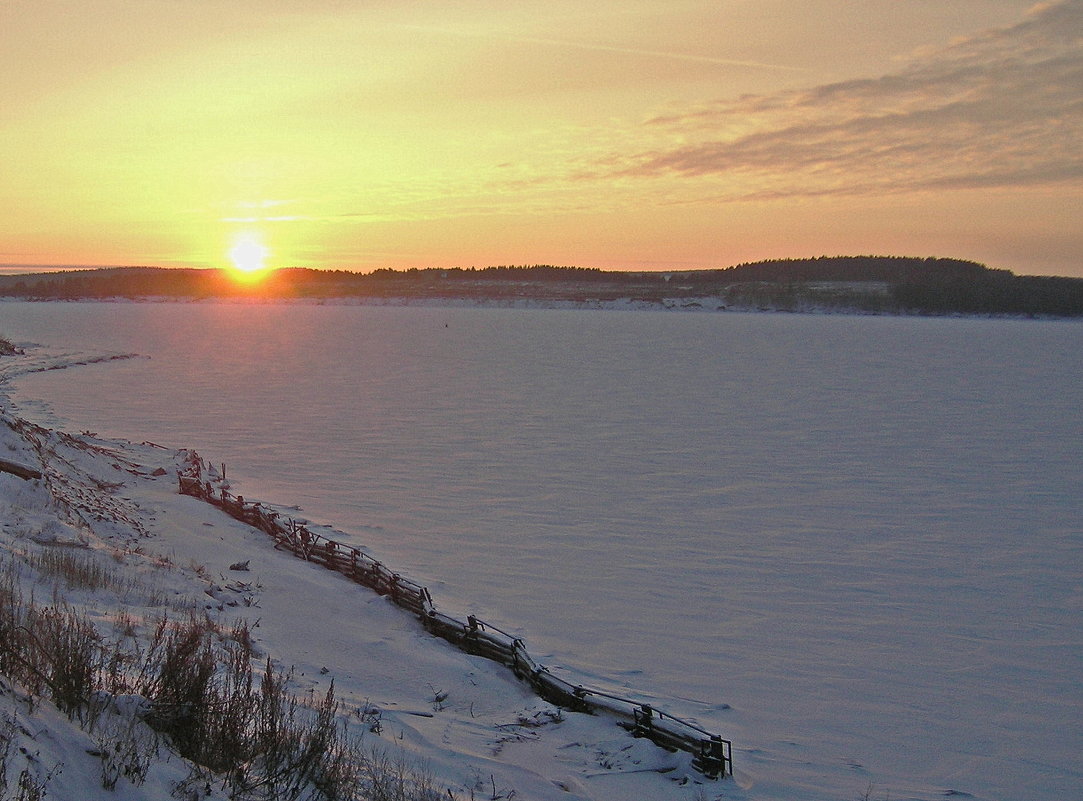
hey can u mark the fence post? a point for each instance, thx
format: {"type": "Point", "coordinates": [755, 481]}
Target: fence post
{"type": "Point", "coordinates": [471, 635]}
{"type": "Point", "coordinates": [713, 757]}
{"type": "Point", "coordinates": [644, 721]}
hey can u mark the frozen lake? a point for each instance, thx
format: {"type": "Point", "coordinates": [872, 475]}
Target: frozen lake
{"type": "Point", "coordinates": [852, 545]}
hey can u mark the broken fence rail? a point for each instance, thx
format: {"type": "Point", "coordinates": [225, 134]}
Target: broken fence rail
{"type": "Point", "coordinates": [20, 470]}
{"type": "Point", "coordinates": [711, 754]}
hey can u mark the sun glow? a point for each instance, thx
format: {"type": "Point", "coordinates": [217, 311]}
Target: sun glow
{"type": "Point", "coordinates": [249, 255]}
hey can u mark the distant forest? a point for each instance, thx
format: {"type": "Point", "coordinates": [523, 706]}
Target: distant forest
{"type": "Point", "coordinates": [868, 284]}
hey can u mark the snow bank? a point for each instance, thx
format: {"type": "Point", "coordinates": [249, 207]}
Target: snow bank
{"type": "Point", "coordinates": [463, 719]}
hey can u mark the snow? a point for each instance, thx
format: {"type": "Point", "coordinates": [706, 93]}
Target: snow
{"type": "Point", "coordinates": [849, 545]}
{"type": "Point", "coordinates": [463, 719]}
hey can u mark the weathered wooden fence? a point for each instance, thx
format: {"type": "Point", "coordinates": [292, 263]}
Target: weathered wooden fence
{"type": "Point", "coordinates": [711, 755]}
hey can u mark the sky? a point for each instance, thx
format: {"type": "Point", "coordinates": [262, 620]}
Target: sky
{"type": "Point", "coordinates": [619, 134]}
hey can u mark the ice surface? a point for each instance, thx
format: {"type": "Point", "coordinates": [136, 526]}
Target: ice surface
{"type": "Point", "coordinates": [849, 544]}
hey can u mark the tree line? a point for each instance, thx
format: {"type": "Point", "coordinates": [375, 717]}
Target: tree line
{"type": "Point", "coordinates": [879, 284]}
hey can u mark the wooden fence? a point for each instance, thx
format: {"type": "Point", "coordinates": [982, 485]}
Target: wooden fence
{"type": "Point", "coordinates": [711, 755]}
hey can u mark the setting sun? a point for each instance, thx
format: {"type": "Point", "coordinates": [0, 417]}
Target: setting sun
{"type": "Point", "coordinates": [248, 255]}
{"type": "Point", "coordinates": [642, 135]}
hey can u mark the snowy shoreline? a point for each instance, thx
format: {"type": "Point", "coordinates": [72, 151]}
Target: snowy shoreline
{"type": "Point", "coordinates": [465, 720]}
{"type": "Point", "coordinates": [712, 755]}
{"type": "Point", "coordinates": [686, 305]}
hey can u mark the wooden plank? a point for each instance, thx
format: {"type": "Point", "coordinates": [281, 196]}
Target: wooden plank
{"type": "Point", "coordinates": [20, 470]}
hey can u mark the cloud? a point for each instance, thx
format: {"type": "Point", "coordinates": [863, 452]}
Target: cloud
{"type": "Point", "coordinates": [1002, 108]}
{"type": "Point", "coordinates": [571, 44]}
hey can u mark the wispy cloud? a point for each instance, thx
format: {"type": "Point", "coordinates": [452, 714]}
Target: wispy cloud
{"type": "Point", "coordinates": [572, 44]}
{"type": "Point", "coordinates": [998, 109]}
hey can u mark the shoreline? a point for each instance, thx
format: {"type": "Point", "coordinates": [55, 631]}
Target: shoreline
{"type": "Point", "coordinates": [116, 503]}
{"type": "Point", "coordinates": [691, 305]}
{"type": "Point", "coordinates": [711, 754]}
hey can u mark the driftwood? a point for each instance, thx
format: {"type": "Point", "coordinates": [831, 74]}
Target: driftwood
{"type": "Point", "coordinates": [20, 470]}
{"type": "Point", "coordinates": [711, 755]}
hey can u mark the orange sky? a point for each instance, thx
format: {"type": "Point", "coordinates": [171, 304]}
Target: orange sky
{"type": "Point", "coordinates": [620, 134]}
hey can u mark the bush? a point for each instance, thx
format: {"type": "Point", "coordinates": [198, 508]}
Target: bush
{"type": "Point", "coordinates": [7, 348]}
{"type": "Point", "coordinates": [68, 652]}
{"type": "Point", "coordinates": [180, 691]}
{"type": "Point", "coordinates": [194, 685]}
{"type": "Point", "coordinates": [52, 650]}
{"type": "Point", "coordinates": [262, 741]}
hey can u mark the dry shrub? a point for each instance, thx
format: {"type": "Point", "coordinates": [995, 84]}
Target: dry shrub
{"type": "Point", "coordinates": [67, 651]}
{"type": "Point", "coordinates": [244, 731]}
{"type": "Point", "coordinates": [53, 651]}
{"type": "Point", "coordinates": [180, 689]}
{"type": "Point", "coordinates": [262, 743]}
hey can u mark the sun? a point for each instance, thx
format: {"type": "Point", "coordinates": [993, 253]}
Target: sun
{"type": "Point", "coordinates": [249, 255]}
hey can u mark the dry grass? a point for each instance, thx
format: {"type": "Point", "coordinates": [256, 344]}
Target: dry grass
{"type": "Point", "coordinates": [239, 727]}
{"type": "Point", "coordinates": [79, 569]}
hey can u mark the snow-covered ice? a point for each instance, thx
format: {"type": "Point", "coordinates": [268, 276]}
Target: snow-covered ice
{"type": "Point", "coordinates": [850, 545]}
{"type": "Point", "coordinates": [118, 503]}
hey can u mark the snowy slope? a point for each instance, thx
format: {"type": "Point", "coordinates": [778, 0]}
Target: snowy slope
{"type": "Point", "coordinates": [465, 720]}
